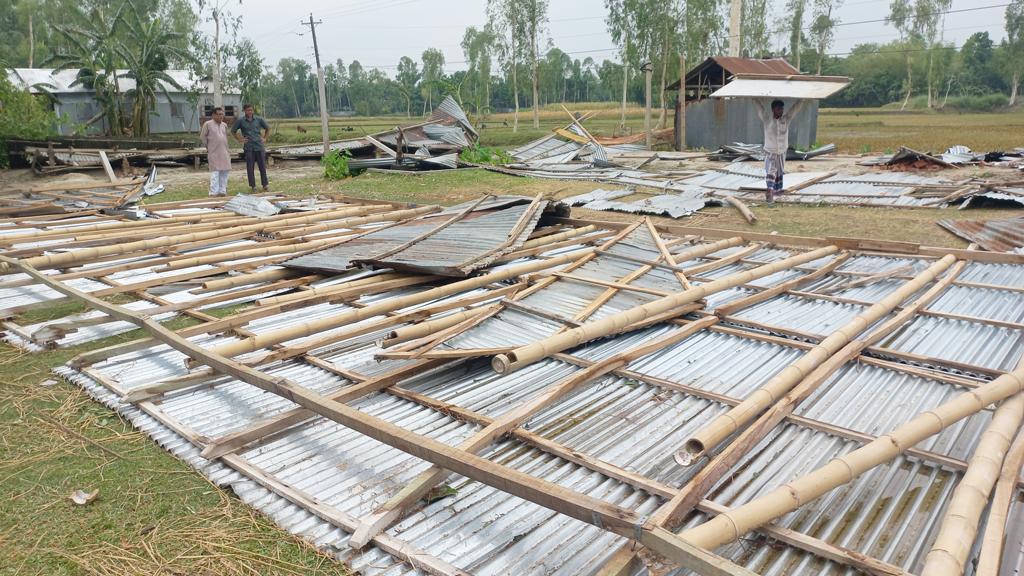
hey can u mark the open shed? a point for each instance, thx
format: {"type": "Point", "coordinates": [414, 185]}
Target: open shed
{"type": "Point", "coordinates": [712, 122]}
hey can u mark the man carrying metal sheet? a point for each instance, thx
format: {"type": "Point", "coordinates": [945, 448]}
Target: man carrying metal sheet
{"type": "Point", "coordinates": [776, 142]}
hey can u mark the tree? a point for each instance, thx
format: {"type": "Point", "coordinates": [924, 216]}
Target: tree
{"type": "Point", "coordinates": [536, 14]}
{"type": "Point", "coordinates": [918, 23]}
{"type": "Point", "coordinates": [249, 70]}
{"type": "Point", "coordinates": [22, 115]}
{"type": "Point", "coordinates": [506, 19]}
{"type": "Point", "coordinates": [433, 71]}
{"type": "Point", "coordinates": [756, 37]}
{"type": "Point", "coordinates": [823, 27]}
{"type": "Point", "coordinates": [1014, 46]}
{"type": "Point", "coordinates": [408, 76]}
{"type": "Point", "coordinates": [796, 24]}
{"type": "Point", "coordinates": [147, 59]}
{"type": "Point", "coordinates": [477, 46]}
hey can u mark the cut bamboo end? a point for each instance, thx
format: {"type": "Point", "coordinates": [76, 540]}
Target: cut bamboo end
{"type": "Point", "coordinates": [502, 363]}
{"type": "Point", "coordinates": [691, 451]}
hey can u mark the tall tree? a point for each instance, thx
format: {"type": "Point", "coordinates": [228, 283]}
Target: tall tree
{"type": "Point", "coordinates": [433, 71]}
{"type": "Point", "coordinates": [796, 25]}
{"type": "Point", "coordinates": [407, 77]}
{"type": "Point", "coordinates": [249, 70]}
{"type": "Point", "coordinates": [918, 23]}
{"type": "Point", "coordinates": [507, 19]}
{"type": "Point", "coordinates": [1014, 45]}
{"type": "Point", "coordinates": [477, 46]}
{"type": "Point", "coordinates": [823, 27]}
{"type": "Point", "coordinates": [536, 14]}
{"type": "Point", "coordinates": [756, 36]}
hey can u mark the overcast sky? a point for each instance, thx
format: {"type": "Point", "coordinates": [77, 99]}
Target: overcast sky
{"type": "Point", "coordinates": [379, 32]}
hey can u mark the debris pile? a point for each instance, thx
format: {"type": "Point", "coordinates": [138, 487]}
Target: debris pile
{"type": "Point", "coordinates": [494, 387]}
{"type": "Point", "coordinates": [1005, 235]}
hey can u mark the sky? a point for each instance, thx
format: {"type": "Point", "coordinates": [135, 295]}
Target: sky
{"type": "Point", "coordinates": [379, 32]}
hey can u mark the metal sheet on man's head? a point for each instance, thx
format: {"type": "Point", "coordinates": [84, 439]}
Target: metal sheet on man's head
{"type": "Point", "coordinates": [815, 87]}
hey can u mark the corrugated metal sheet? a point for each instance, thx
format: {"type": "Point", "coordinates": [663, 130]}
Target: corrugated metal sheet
{"type": "Point", "coordinates": [804, 87]}
{"type": "Point", "coordinates": [996, 235]}
{"type": "Point", "coordinates": [464, 246]}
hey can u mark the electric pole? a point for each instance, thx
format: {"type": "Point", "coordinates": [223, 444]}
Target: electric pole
{"type": "Point", "coordinates": [320, 83]}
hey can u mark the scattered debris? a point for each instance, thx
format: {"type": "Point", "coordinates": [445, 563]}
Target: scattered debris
{"type": "Point", "coordinates": [1006, 235]}
{"type": "Point", "coordinates": [907, 158]}
{"type": "Point", "coordinates": [48, 383]}
{"type": "Point", "coordinates": [256, 206]}
{"type": "Point", "coordinates": [81, 497]}
{"type": "Point", "coordinates": [599, 194]}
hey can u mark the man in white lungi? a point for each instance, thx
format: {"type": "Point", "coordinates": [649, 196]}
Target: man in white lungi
{"type": "Point", "coordinates": [776, 142]}
{"type": "Point", "coordinates": [214, 135]}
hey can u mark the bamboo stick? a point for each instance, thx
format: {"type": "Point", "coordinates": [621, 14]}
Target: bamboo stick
{"type": "Point", "coordinates": [733, 524]}
{"type": "Point", "coordinates": [66, 230]}
{"type": "Point", "coordinates": [427, 327]}
{"type": "Point", "coordinates": [245, 279]}
{"type": "Point", "coordinates": [530, 353]}
{"type": "Point", "coordinates": [349, 316]}
{"type": "Point", "coordinates": [959, 528]}
{"type": "Point", "coordinates": [371, 284]}
{"type": "Point", "coordinates": [76, 256]}
{"type": "Point", "coordinates": [708, 248]}
{"type": "Point", "coordinates": [723, 426]}
{"type": "Point", "coordinates": [991, 555]}
{"type": "Point", "coordinates": [383, 217]}
{"type": "Point", "coordinates": [743, 209]}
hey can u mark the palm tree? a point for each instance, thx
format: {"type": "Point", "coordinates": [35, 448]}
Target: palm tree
{"type": "Point", "coordinates": [92, 50]}
{"type": "Point", "coordinates": [151, 47]}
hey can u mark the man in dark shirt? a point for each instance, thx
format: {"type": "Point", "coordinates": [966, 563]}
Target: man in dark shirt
{"type": "Point", "coordinates": [255, 132]}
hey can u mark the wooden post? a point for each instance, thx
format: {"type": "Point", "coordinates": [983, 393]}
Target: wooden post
{"type": "Point", "coordinates": [648, 70]}
{"type": "Point", "coordinates": [681, 106]}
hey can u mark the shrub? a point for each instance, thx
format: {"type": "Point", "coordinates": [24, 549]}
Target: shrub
{"type": "Point", "coordinates": [22, 115]}
{"type": "Point", "coordinates": [477, 154]}
{"type": "Point", "coordinates": [335, 165]}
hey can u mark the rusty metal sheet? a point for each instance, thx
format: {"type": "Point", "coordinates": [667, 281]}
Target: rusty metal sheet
{"type": "Point", "coordinates": [1005, 235]}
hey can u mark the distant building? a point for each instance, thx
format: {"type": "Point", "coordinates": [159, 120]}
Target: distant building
{"type": "Point", "coordinates": [181, 112]}
{"type": "Point", "coordinates": [711, 122]}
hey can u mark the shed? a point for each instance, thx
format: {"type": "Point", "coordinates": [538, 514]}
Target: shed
{"type": "Point", "coordinates": [712, 122]}
{"type": "Point", "coordinates": [180, 110]}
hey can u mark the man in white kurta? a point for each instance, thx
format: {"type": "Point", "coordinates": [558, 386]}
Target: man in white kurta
{"type": "Point", "coordinates": [214, 135]}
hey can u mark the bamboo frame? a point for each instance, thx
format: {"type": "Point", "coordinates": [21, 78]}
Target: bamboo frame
{"type": "Point", "coordinates": [609, 517]}
{"type": "Point", "coordinates": [725, 425]}
{"type": "Point", "coordinates": [613, 323]}
{"type": "Point", "coordinates": [991, 555]}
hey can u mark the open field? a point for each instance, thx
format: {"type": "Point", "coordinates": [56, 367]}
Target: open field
{"type": "Point", "coordinates": [155, 515]}
{"type": "Point", "coordinates": [853, 130]}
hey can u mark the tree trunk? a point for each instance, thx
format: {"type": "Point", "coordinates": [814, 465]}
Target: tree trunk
{"type": "Point", "coordinates": [681, 108]}
{"type": "Point", "coordinates": [664, 72]}
{"type": "Point", "coordinates": [533, 51]}
{"type": "Point", "coordinates": [515, 90]}
{"type": "Point", "coordinates": [31, 42]}
{"type": "Point", "coordinates": [910, 85]}
{"type": "Point", "coordinates": [625, 82]}
{"type": "Point", "coordinates": [930, 66]}
{"type": "Point", "coordinates": [1014, 82]}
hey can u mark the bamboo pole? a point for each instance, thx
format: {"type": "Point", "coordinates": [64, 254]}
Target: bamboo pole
{"type": "Point", "coordinates": [72, 230]}
{"type": "Point", "coordinates": [76, 256]}
{"type": "Point", "coordinates": [701, 250]}
{"type": "Point", "coordinates": [383, 217]}
{"type": "Point", "coordinates": [386, 281]}
{"type": "Point", "coordinates": [245, 279]}
{"type": "Point", "coordinates": [733, 524]}
{"type": "Point", "coordinates": [959, 527]}
{"type": "Point", "coordinates": [990, 558]}
{"type": "Point", "coordinates": [743, 209]}
{"type": "Point", "coordinates": [427, 327]}
{"type": "Point", "coordinates": [350, 316]}
{"type": "Point", "coordinates": [524, 355]}
{"type": "Point", "coordinates": [724, 425]}
{"type": "Point", "coordinates": [231, 256]}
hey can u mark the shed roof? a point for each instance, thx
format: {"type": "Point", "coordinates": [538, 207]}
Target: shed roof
{"type": "Point", "coordinates": [717, 66]}
{"type": "Point", "coordinates": [63, 81]}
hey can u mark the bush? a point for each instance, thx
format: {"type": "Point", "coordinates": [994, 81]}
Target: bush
{"type": "Point", "coordinates": [477, 154]}
{"type": "Point", "coordinates": [336, 165]}
{"type": "Point", "coordinates": [22, 115]}
{"type": "Point", "coordinates": [983, 103]}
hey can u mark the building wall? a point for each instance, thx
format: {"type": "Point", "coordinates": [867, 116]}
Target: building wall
{"type": "Point", "coordinates": [175, 115]}
{"type": "Point", "coordinates": [713, 122]}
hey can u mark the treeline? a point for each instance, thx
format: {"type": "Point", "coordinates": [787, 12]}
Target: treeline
{"type": "Point", "coordinates": [512, 62]}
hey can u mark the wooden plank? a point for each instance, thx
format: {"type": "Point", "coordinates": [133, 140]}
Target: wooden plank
{"type": "Point", "coordinates": [107, 167]}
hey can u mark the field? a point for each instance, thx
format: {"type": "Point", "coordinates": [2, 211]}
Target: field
{"type": "Point", "coordinates": [154, 515]}
{"type": "Point", "coordinates": [854, 131]}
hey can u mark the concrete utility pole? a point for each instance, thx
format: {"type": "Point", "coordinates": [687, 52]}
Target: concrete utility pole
{"type": "Point", "coordinates": [735, 27]}
{"type": "Point", "coordinates": [218, 97]}
{"type": "Point", "coordinates": [320, 83]}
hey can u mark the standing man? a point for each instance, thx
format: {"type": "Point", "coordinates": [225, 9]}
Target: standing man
{"type": "Point", "coordinates": [776, 142]}
{"type": "Point", "coordinates": [255, 132]}
{"type": "Point", "coordinates": [214, 136]}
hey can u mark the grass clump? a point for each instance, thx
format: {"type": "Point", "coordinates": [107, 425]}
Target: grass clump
{"type": "Point", "coordinates": [477, 154]}
{"type": "Point", "coordinates": [336, 165]}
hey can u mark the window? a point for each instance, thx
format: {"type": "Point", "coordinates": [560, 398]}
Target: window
{"type": "Point", "coordinates": [177, 109]}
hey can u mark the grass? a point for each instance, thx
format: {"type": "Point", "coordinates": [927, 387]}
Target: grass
{"type": "Point", "coordinates": [153, 514]}
{"type": "Point", "coordinates": [156, 515]}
